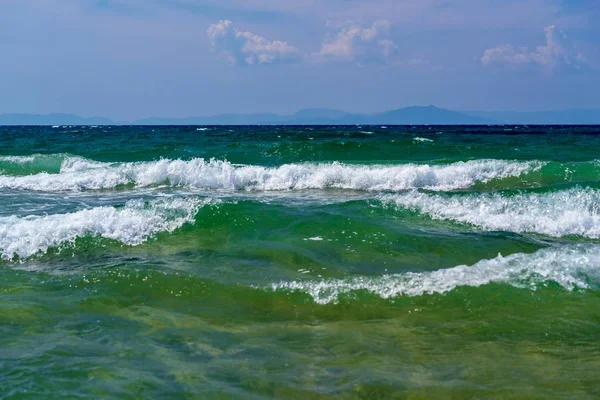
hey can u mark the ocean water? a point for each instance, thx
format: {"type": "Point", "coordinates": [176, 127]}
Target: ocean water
{"type": "Point", "coordinates": [300, 262]}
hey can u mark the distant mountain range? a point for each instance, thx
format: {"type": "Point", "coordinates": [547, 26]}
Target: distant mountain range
{"type": "Point", "coordinates": [318, 116]}
{"type": "Point", "coordinates": [428, 115]}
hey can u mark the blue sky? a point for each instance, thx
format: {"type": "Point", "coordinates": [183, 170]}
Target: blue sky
{"type": "Point", "coordinates": [129, 59]}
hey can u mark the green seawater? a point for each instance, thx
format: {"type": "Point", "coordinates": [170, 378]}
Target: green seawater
{"type": "Point", "coordinates": [359, 262]}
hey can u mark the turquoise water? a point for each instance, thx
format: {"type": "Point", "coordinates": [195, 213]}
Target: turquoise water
{"type": "Point", "coordinates": [299, 262]}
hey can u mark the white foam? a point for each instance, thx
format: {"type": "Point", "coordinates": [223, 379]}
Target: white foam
{"type": "Point", "coordinates": [569, 212]}
{"type": "Point", "coordinates": [422, 139]}
{"type": "Point", "coordinates": [131, 225]}
{"type": "Point", "coordinates": [570, 267]}
{"type": "Point", "coordinates": [82, 174]}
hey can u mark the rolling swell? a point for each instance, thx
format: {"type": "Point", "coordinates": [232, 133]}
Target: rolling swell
{"type": "Point", "coordinates": [521, 212]}
{"type": "Point", "coordinates": [306, 272]}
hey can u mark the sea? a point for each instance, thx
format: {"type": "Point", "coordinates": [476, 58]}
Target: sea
{"type": "Point", "coordinates": [300, 262]}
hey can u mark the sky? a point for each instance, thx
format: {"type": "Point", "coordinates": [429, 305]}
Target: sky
{"type": "Point", "coordinates": [130, 59]}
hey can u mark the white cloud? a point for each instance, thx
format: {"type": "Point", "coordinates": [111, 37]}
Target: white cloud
{"type": "Point", "coordinates": [554, 54]}
{"type": "Point", "coordinates": [351, 42]}
{"type": "Point", "coordinates": [347, 42]}
{"type": "Point", "coordinates": [239, 47]}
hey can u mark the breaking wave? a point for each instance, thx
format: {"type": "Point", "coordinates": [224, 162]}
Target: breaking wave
{"type": "Point", "coordinates": [81, 174]}
{"type": "Point", "coordinates": [132, 225]}
{"type": "Point", "coordinates": [570, 267]}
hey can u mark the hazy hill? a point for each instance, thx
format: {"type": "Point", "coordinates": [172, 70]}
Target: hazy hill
{"type": "Point", "coordinates": [427, 115]}
{"type": "Point", "coordinates": [221, 119]}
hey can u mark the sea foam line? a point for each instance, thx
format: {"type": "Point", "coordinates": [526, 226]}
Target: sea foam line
{"type": "Point", "coordinates": [574, 211]}
{"type": "Point", "coordinates": [570, 267]}
{"type": "Point", "coordinates": [132, 225]}
{"type": "Point", "coordinates": [82, 174]}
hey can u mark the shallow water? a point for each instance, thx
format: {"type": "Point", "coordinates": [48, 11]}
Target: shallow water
{"type": "Point", "coordinates": [299, 262]}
